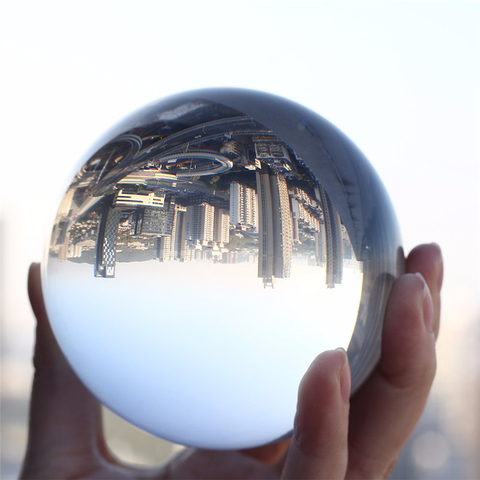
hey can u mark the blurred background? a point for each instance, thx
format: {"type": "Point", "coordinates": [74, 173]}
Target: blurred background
{"type": "Point", "coordinates": [401, 79]}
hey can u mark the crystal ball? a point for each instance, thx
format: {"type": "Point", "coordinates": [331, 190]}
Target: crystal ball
{"type": "Point", "coordinates": [208, 248]}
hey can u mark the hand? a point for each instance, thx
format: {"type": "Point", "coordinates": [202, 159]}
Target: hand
{"type": "Point", "coordinates": [333, 437]}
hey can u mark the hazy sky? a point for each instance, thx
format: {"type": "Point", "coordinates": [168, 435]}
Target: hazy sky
{"type": "Point", "coordinates": [222, 353]}
{"type": "Point", "coordinates": [399, 78]}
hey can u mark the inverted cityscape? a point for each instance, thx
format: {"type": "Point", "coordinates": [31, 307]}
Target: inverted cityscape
{"type": "Point", "coordinates": [201, 186]}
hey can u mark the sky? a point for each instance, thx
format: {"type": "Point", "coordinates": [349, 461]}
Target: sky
{"type": "Point", "coordinates": [158, 341]}
{"type": "Point", "coordinates": [401, 79]}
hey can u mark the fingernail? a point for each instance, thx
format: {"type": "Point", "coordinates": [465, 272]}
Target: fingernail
{"type": "Point", "coordinates": [33, 265]}
{"type": "Point", "coordinates": [439, 271]}
{"type": "Point", "coordinates": [344, 377]}
{"type": "Point", "coordinates": [427, 305]}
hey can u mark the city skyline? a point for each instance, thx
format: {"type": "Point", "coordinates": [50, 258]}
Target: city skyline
{"type": "Point", "coordinates": [240, 197]}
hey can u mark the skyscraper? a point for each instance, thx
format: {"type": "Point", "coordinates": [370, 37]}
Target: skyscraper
{"type": "Point", "coordinates": [334, 241]}
{"type": "Point", "coordinates": [243, 206]}
{"type": "Point", "coordinates": [199, 223]}
{"type": "Point", "coordinates": [105, 259]}
{"type": "Point", "coordinates": [275, 227]}
{"type": "Point", "coordinates": [221, 226]}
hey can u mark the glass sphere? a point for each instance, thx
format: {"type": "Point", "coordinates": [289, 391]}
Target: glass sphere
{"type": "Point", "coordinates": [210, 246]}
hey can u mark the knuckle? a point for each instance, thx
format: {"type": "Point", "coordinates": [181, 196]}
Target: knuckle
{"type": "Point", "coordinates": [408, 379]}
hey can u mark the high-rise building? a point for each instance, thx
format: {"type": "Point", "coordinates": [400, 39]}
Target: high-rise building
{"type": "Point", "coordinates": [275, 227]}
{"type": "Point", "coordinates": [170, 244]}
{"type": "Point", "coordinates": [320, 251]}
{"type": "Point", "coordinates": [178, 233]}
{"type": "Point", "coordinates": [333, 240]}
{"type": "Point", "coordinates": [105, 259]}
{"type": "Point", "coordinates": [199, 223]}
{"type": "Point", "coordinates": [163, 248]}
{"type": "Point", "coordinates": [221, 226]}
{"type": "Point", "coordinates": [243, 206]}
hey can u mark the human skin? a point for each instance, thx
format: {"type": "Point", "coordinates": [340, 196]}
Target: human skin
{"type": "Point", "coordinates": [334, 436]}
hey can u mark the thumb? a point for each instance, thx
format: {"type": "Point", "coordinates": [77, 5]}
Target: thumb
{"type": "Point", "coordinates": [65, 419]}
{"type": "Point", "coordinates": [319, 444]}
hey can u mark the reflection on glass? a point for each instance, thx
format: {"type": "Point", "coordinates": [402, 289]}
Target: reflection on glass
{"type": "Point", "coordinates": [265, 208]}
{"type": "Point", "coordinates": [198, 264]}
